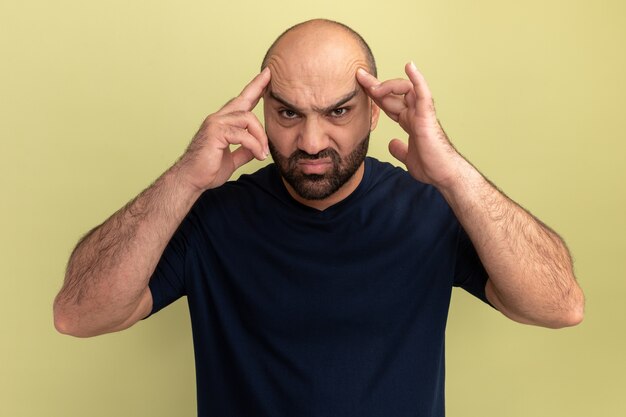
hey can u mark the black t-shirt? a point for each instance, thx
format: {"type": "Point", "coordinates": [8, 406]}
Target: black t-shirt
{"type": "Point", "coordinates": [300, 312]}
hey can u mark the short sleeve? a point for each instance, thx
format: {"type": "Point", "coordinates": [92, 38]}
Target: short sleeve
{"type": "Point", "coordinates": [167, 283]}
{"type": "Point", "coordinates": [470, 274]}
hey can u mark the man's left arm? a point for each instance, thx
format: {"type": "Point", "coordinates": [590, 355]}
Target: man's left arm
{"type": "Point", "coordinates": [531, 277]}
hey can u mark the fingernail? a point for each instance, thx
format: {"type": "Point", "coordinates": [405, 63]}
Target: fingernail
{"type": "Point", "coordinates": [412, 64]}
{"type": "Point", "coordinates": [362, 71]}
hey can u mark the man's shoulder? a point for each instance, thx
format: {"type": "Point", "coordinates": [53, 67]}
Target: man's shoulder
{"type": "Point", "coordinates": [388, 177]}
{"type": "Point", "coordinates": [398, 188]}
{"type": "Point", "coordinates": [262, 177]}
{"type": "Point", "coordinates": [262, 183]}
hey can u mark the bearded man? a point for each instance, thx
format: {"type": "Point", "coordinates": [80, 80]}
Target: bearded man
{"type": "Point", "coordinates": [320, 284]}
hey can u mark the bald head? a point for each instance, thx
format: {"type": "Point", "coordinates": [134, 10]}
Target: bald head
{"type": "Point", "coordinates": [316, 36]}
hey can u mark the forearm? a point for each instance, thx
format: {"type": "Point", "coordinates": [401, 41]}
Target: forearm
{"type": "Point", "coordinates": [531, 278]}
{"type": "Point", "coordinates": [109, 270]}
{"type": "Point", "coordinates": [106, 283]}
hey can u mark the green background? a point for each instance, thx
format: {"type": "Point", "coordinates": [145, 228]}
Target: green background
{"type": "Point", "coordinates": [98, 98]}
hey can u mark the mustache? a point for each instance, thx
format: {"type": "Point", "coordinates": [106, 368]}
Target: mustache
{"type": "Point", "coordinates": [300, 155]}
{"type": "Point", "coordinates": [326, 153]}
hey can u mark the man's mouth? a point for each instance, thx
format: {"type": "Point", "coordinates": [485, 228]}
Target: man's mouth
{"type": "Point", "coordinates": [315, 166]}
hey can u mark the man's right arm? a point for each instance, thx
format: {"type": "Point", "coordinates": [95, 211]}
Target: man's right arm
{"type": "Point", "coordinates": [106, 283]}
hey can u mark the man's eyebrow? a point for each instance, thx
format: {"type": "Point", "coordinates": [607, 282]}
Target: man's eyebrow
{"type": "Point", "coordinates": [283, 101]}
{"type": "Point", "coordinates": [343, 100]}
{"type": "Point", "coordinates": [340, 102]}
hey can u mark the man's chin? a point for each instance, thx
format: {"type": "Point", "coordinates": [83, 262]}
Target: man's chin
{"type": "Point", "coordinates": [313, 187]}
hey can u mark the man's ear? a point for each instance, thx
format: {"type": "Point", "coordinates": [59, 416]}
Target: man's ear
{"type": "Point", "coordinates": [374, 115]}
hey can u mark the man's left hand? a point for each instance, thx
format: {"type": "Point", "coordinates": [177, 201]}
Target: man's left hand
{"type": "Point", "coordinates": [531, 277]}
{"type": "Point", "coordinates": [429, 156]}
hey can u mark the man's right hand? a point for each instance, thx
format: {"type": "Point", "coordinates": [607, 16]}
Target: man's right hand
{"type": "Point", "coordinates": [208, 161]}
{"type": "Point", "coordinates": [106, 282]}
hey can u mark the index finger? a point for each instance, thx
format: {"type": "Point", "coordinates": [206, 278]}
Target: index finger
{"type": "Point", "coordinates": [251, 93]}
{"type": "Point", "coordinates": [422, 92]}
{"type": "Point", "coordinates": [367, 80]}
{"type": "Point", "coordinates": [382, 91]}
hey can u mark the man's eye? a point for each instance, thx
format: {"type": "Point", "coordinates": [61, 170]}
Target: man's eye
{"type": "Point", "coordinates": [288, 114]}
{"type": "Point", "coordinates": [339, 112]}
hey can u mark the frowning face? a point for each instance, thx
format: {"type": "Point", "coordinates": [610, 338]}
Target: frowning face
{"type": "Point", "coordinates": [317, 116]}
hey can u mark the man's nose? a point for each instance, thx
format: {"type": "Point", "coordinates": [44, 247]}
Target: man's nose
{"type": "Point", "coordinates": [313, 138]}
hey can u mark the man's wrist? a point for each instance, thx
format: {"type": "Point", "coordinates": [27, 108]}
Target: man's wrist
{"type": "Point", "coordinates": [178, 179]}
{"type": "Point", "coordinates": [463, 183]}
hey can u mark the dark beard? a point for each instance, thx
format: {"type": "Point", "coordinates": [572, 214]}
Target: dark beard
{"type": "Point", "coordinates": [319, 186]}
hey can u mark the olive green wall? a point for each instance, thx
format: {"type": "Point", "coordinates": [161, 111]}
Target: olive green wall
{"type": "Point", "coordinates": [98, 98]}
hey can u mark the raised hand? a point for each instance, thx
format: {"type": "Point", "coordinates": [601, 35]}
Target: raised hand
{"type": "Point", "coordinates": [429, 156]}
{"type": "Point", "coordinates": [208, 161]}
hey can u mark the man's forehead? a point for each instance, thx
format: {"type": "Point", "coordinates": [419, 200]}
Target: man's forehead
{"type": "Point", "coordinates": [320, 62]}
{"type": "Point", "coordinates": [318, 75]}
{"type": "Point", "coordinates": [332, 67]}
